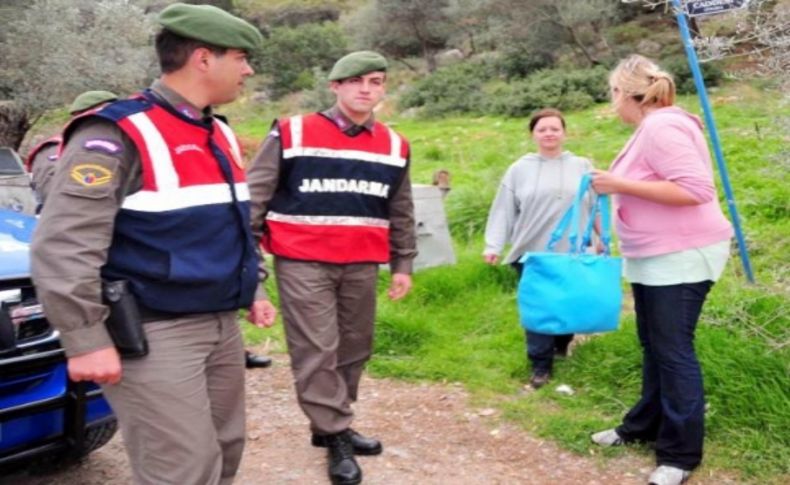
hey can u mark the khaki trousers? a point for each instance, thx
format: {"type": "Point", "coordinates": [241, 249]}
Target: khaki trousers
{"type": "Point", "coordinates": [181, 408]}
{"type": "Point", "coordinates": [328, 310]}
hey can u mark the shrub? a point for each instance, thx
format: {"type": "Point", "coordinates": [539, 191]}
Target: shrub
{"type": "Point", "coordinates": [320, 97]}
{"type": "Point", "coordinates": [563, 89]}
{"type": "Point", "coordinates": [520, 62]}
{"type": "Point", "coordinates": [678, 66]}
{"type": "Point", "coordinates": [472, 88]}
{"type": "Point", "coordinates": [518, 98]}
{"type": "Point", "coordinates": [452, 89]}
{"type": "Point", "coordinates": [628, 33]}
{"type": "Point", "coordinates": [307, 46]}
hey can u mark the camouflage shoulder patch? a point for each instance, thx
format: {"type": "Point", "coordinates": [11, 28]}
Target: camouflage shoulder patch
{"type": "Point", "coordinates": [102, 145]}
{"type": "Point", "coordinates": [90, 175]}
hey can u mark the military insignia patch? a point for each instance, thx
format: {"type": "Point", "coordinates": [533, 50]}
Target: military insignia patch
{"type": "Point", "coordinates": [106, 146]}
{"type": "Point", "coordinates": [90, 175]}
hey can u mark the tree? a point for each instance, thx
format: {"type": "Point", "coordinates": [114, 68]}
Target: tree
{"type": "Point", "coordinates": [761, 32]}
{"type": "Point", "coordinates": [58, 48]}
{"type": "Point", "coordinates": [402, 28]}
{"type": "Point", "coordinates": [470, 21]}
{"type": "Point", "coordinates": [578, 18]}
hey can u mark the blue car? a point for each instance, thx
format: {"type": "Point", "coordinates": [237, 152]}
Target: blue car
{"type": "Point", "coordinates": [44, 417]}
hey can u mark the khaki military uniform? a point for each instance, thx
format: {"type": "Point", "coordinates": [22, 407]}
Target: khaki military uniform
{"type": "Point", "coordinates": [42, 170]}
{"type": "Point", "coordinates": [180, 408]}
{"type": "Point", "coordinates": [329, 309]}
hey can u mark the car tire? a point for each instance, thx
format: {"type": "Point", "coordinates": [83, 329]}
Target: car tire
{"type": "Point", "coordinates": [95, 438]}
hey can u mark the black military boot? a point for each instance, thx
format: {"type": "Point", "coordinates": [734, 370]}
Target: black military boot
{"type": "Point", "coordinates": [252, 361]}
{"type": "Point", "coordinates": [343, 468]}
{"type": "Point", "coordinates": [362, 445]}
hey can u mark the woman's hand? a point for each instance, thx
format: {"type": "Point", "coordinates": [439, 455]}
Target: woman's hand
{"type": "Point", "coordinates": [605, 183]}
{"type": "Point", "coordinates": [491, 258]}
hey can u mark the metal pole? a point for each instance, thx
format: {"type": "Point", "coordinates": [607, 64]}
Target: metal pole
{"type": "Point", "coordinates": [714, 135]}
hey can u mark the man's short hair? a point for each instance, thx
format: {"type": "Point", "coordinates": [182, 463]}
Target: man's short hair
{"type": "Point", "coordinates": [173, 50]}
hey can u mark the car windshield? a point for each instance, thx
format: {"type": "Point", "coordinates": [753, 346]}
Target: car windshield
{"type": "Point", "coordinates": [9, 163]}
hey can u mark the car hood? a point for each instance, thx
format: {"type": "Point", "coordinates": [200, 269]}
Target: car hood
{"type": "Point", "coordinates": [16, 231]}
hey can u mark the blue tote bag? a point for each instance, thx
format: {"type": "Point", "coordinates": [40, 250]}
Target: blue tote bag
{"type": "Point", "coordinates": [572, 292]}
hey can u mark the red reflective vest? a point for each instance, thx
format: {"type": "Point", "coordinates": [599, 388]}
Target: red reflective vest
{"type": "Point", "coordinates": [53, 140]}
{"type": "Point", "coordinates": [183, 240]}
{"type": "Point", "coordinates": [332, 202]}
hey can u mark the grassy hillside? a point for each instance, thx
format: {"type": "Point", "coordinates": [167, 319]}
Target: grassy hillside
{"type": "Point", "coordinates": [460, 323]}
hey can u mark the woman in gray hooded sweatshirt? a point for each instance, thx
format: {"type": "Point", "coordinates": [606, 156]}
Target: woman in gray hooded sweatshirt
{"type": "Point", "coordinates": [535, 192]}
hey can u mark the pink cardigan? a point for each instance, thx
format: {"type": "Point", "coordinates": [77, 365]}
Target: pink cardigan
{"type": "Point", "coordinates": [668, 145]}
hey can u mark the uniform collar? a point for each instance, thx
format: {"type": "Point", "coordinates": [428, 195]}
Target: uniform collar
{"type": "Point", "coordinates": [336, 116]}
{"type": "Point", "coordinates": [180, 103]}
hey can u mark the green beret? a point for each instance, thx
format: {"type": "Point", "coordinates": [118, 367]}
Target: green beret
{"type": "Point", "coordinates": [89, 99]}
{"type": "Point", "coordinates": [211, 25]}
{"type": "Point", "coordinates": [357, 64]}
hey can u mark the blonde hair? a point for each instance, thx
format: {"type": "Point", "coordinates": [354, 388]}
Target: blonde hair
{"type": "Point", "coordinates": [643, 80]}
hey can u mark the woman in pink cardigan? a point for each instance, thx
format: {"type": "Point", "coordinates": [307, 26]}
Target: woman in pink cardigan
{"type": "Point", "coordinates": [675, 243]}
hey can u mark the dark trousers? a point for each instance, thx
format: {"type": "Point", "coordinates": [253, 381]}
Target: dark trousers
{"type": "Point", "coordinates": [541, 346]}
{"type": "Point", "coordinates": [671, 411]}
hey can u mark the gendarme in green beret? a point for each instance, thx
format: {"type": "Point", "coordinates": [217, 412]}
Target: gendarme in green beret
{"type": "Point", "coordinates": [211, 25]}
{"type": "Point", "coordinates": [89, 99]}
{"type": "Point", "coordinates": [357, 64]}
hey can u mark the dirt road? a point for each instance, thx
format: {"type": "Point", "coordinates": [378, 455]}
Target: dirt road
{"type": "Point", "coordinates": [431, 435]}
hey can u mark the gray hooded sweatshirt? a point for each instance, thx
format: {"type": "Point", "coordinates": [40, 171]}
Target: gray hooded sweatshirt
{"type": "Point", "coordinates": [533, 196]}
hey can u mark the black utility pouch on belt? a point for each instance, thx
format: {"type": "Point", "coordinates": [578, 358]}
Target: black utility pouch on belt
{"type": "Point", "coordinates": [124, 323]}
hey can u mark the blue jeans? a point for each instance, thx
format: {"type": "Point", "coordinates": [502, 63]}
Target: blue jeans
{"type": "Point", "coordinates": [671, 411]}
{"type": "Point", "coordinates": [541, 346]}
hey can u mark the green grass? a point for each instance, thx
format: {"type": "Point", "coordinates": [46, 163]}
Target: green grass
{"type": "Point", "coordinates": [460, 324]}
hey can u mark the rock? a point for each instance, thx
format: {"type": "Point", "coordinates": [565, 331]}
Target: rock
{"type": "Point", "coordinates": [448, 57]}
{"type": "Point", "coordinates": [565, 389]}
{"type": "Point", "coordinates": [260, 97]}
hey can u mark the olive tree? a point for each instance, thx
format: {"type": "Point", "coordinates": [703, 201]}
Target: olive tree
{"type": "Point", "coordinates": [55, 49]}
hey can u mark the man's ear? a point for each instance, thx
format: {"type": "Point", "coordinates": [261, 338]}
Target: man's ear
{"type": "Point", "coordinates": [200, 58]}
{"type": "Point", "coordinates": [333, 85]}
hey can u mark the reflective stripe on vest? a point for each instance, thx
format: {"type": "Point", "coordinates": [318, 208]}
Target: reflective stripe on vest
{"type": "Point", "coordinates": [329, 208]}
{"type": "Point", "coordinates": [182, 241]}
{"type": "Point", "coordinates": [163, 188]}
{"type": "Point", "coordinates": [394, 158]}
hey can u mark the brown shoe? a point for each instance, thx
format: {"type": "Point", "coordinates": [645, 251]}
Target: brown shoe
{"type": "Point", "coordinates": [539, 379]}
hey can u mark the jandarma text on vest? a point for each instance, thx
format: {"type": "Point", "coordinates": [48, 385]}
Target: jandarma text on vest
{"type": "Point", "coordinates": [377, 189]}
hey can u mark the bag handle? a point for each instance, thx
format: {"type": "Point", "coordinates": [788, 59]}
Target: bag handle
{"type": "Point", "coordinates": [572, 218]}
